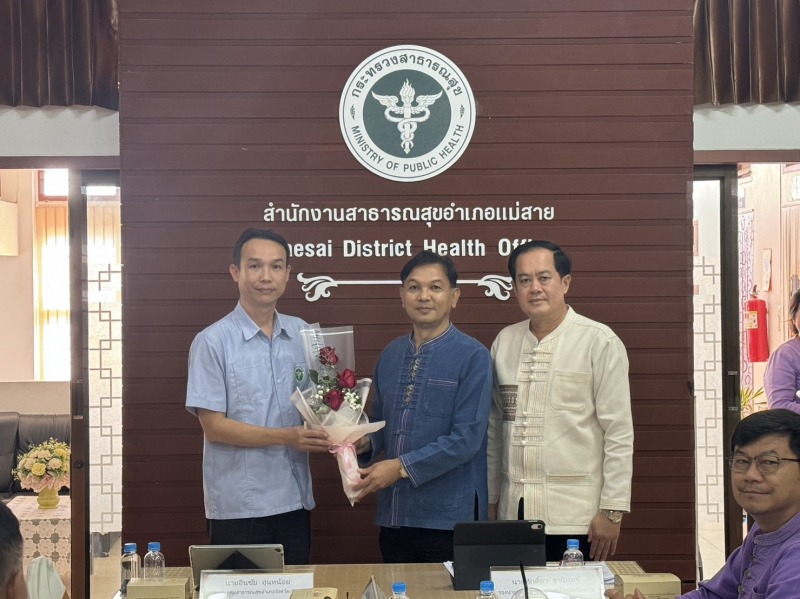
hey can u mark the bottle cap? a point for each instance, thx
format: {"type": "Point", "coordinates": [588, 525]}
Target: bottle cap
{"type": "Point", "coordinates": [129, 548]}
{"type": "Point", "coordinates": [154, 546]}
{"type": "Point", "coordinates": [399, 587]}
{"type": "Point", "coordinates": [487, 586]}
{"type": "Point", "coordinates": [573, 544]}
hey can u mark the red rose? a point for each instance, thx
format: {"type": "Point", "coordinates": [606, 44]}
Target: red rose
{"type": "Point", "coordinates": [346, 379]}
{"type": "Point", "coordinates": [327, 355]}
{"type": "Point", "coordinates": [334, 398]}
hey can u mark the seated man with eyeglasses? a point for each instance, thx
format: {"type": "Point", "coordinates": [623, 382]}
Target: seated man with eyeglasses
{"type": "Point", "coordinates": [765, 469]}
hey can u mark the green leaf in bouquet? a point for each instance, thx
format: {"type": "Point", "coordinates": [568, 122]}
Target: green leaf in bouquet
{"type": "Point", "coordinates": [314, 376]}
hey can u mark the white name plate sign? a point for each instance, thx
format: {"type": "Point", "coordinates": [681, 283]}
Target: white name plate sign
{"type": "Point", "coordinates": [252, 584]}
{"type": "Point", "coordinates": [584, 582]}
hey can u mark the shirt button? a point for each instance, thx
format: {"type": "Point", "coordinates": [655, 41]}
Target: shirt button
{"type": "Point", "coordinates": [747, 573]}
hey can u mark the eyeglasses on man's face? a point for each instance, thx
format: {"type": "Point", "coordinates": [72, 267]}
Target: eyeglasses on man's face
{"type": "Point", "coordinates": [766, 464]}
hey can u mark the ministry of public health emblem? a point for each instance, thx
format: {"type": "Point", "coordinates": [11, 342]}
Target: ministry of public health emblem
{"type": "Point", "coordinates": [407, 113]}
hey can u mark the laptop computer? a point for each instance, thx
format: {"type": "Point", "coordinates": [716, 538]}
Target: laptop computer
{"type": "Point", "coordinates": [234, 557]}
{"type": "Point", "coordinates": [477, 546]}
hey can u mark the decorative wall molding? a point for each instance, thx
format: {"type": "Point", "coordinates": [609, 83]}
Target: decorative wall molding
{"type": "Point", "coordinates": [319, 286]}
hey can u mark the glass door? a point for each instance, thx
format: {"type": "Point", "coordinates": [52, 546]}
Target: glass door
{"type": "Point", "coordinates": [95, 234]}
{"type": "Point", "coordinates": [716, 360]}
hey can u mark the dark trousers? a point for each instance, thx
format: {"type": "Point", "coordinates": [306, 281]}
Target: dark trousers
{"type": "Point", "coordinates": [556, 545]}
{"type": "Point", "coordinates": [409, 545]}
{"type": "Point", "coordinates": [292, 530]}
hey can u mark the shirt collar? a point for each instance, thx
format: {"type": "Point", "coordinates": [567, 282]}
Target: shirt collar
{"type": "Point", "coordinates": [430, 342]}
{"type": "Point", "coordinates": [568, 318]}
{"type": "Point", "coordinates": [788, 530]}
{"type": "Point", "coordinates": [250, 329]}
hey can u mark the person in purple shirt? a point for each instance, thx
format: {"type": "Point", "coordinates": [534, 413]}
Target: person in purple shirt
{"type": "Point", "coordinates": [782, 377]}
{"type": "Point", "coordinates": [765, 478]}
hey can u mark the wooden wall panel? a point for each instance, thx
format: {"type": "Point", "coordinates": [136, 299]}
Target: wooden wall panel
{"type": "Point", "coordinates": [582, 106]}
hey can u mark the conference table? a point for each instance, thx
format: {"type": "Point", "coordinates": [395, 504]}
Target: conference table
{"type": "Point", "coordinates": [423, 581]}
{"type": "Point", "coordinates": [430, 581]}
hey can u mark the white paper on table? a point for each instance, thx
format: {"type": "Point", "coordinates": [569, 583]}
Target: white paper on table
{"type": "Point", "coordinates": [373, 590]}
{"type": "Point", "coordinates": [584, 581]}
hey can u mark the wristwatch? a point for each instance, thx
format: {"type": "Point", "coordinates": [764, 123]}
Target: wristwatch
{"type": "Point", "coordinates": [613, 515]}
{"type": "Point", "coordinates": [403, 473]}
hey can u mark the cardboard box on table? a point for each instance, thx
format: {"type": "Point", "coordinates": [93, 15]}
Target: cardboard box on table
{"type": "Point", "coordinates": [169, 588]}
{"type": "Point", "coordinates": [653, 586]}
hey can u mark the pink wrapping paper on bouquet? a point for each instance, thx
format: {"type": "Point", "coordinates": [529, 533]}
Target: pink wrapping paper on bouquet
{"type": "Point", "coordinates": [335, 401]}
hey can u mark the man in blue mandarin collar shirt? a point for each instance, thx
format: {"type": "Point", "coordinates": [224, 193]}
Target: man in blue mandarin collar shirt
{"type": "Point", "coordinates": [242, 372]}
{"type": "Point", "coordinates": [434, 390]}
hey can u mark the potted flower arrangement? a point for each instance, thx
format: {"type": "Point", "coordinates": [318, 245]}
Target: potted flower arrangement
{"type": "Point", "coordinates": [45, 469]}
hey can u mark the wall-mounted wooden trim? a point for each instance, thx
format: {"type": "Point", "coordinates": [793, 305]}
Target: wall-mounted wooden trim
{"type": "Point", "coordinates": [736, 156]}
{"type": "Point", "coordinates": [73, 162]}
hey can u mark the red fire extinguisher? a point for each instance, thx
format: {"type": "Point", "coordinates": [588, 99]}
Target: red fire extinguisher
{"type": "Point", "coordinates": [756, 328]}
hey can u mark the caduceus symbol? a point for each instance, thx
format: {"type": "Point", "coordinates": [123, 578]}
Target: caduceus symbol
{"type": "Point", "coordinates": [406, 122]}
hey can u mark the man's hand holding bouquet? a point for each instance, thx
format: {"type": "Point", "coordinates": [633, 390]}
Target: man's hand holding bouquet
{"type": "Point", "coordinates": [335, 401]}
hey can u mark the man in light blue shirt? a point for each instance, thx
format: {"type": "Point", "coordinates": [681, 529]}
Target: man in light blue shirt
{"type": "Point", "coordinates": [242, 371]}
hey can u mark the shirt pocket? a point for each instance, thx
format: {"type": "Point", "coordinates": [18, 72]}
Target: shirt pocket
{"type": "Point", "coordinates": [249, 383]}
{"type": "Point", "coordinates": [569, 500]}
{"type": "Point", "coordinates": [571, 390]}
{"type": "Point", "coordinates": [439, 398]}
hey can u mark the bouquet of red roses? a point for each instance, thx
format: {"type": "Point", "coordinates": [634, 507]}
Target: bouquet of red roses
{"type": "Point", "coordinates": [335, 401]}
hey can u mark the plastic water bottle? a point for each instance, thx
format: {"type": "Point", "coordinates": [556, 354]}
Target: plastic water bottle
{"type": "Point", "coordinates": [573, 555]}
{"type": "Point", "coordinates": [130, 566]}
{"type": "Point", "coordinates": [399, 591]}
{"type": "Point", "coordinates": [487, 590]}
{"type": "Point", "coordinates": [154, 562]}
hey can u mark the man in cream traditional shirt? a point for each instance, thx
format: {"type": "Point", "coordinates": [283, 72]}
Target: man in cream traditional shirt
{"type": "Point", "coordinates": [560, 434]}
